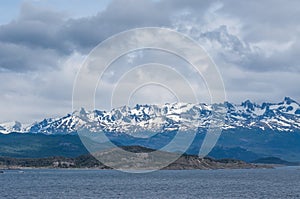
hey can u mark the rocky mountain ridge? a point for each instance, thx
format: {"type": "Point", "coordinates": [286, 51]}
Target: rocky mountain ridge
{"type": "Point", "coordinates": [283, 116]}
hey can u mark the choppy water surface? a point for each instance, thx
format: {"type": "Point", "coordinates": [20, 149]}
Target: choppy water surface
{"type": "Point", "coordinates": [252, 183]}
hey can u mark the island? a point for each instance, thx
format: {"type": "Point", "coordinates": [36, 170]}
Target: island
{"type": "Point", "coordinates": [184, 162]}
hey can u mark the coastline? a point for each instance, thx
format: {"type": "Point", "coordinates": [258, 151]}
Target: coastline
{"type": "Point", "coordinates": [185, 162]}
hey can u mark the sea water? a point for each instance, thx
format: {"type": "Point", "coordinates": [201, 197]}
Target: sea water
{"type": "Point", "coordinates": [281, 182]}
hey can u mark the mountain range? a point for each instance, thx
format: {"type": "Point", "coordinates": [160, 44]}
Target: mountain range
{"type": "Point", "coordinates": [249, 130]}
{"type": "Point", "coordinates": [283, 117]}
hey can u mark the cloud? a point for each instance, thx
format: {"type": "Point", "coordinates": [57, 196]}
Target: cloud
{"type": "Point", "coordinates": [87, 32]}
{"type": "Point", "coordinates": [22, 58]}
{"type": "Point", "coordinates": [45, 31]}
{"type": "Point", "coordinates": [256, 48]}
{"type": "Point", "coordinates": [225, 30]}
{"type": "Point", "coordinates": [35, 28]}
{"type": "Point", "coordinates": [34, 95]}
{"type": "Point", "coordinates": [31, 42]}
{"type": "Point", "coordinates": [268, 20]}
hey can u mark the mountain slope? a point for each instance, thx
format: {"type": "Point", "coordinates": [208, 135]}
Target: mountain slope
{"type": "Point", "coordinates": [242, 145]}
{"type": "Point", "coordinates": [147, 120]}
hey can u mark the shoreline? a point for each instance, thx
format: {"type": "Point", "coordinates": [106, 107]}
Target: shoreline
{"type": "Point", "coordinates": [254, 166]}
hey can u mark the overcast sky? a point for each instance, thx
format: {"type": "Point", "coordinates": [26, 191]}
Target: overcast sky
{"type": "Point", "coordinates": [255, 44]}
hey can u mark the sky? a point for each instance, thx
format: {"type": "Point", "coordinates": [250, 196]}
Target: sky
{"type": "Point", "coordinates": [43, 43]}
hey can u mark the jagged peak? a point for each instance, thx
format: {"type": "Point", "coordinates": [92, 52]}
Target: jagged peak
{"type": "Point", "coordinates": [168, 114]}
{"type": "Point", "coordinates": [17, 124]}
{"type": "Point", "coordinates": [82, 111]}
{"type": "Point", "coordinates": [249, 105]}
{"type": "Point", "coordinates": [229, 105]}
{"type": "Point", "coordinates": [289, 100]}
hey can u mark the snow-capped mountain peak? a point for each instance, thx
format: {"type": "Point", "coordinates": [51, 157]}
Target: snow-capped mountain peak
{"type": "Point", "coordinates": [282, 116]}
{"type": "Point", "coordinates": [9, 127]}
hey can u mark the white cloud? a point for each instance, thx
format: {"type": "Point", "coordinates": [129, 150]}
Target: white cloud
{"type": "Point", "coordinates": [31, 96]}
{"type": "Point", "coordinates": [256, 50]}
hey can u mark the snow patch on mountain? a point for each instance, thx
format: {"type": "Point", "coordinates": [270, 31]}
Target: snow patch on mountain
{"type": "Point", "coordinates": [10, 127]}
{"type": "Point", "coordinates": [149, 119]}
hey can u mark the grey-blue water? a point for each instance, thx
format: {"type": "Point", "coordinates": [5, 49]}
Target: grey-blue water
{"type": "Point", "coordinates": [252, 183]}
